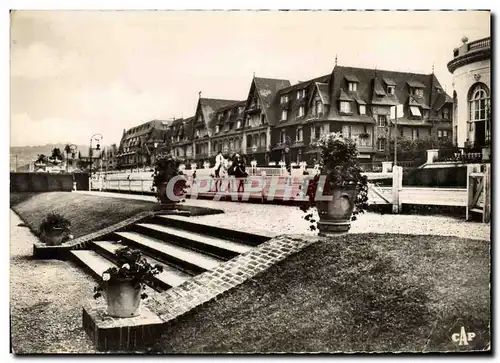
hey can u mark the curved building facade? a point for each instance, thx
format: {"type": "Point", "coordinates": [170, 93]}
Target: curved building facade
{"type": "Point", "coordinates": [471, 69]}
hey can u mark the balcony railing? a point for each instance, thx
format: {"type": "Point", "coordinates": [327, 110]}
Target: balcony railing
{"type": "Point", "coordinates": [463, 155]}
{"type": "Point", "coordinates": [253, 108]}
{"type": "Point", "coordinates": [481, 43]}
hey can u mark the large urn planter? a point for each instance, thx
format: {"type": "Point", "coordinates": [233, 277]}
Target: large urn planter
{"type": "Point", "coordinates": [54, 237]}
{"type": "Point", "coordinates": [165, 201]}
{"type": "Point", "coordinates": [335, 215]}
{"type": "Point", "coordinates": [123, 298]}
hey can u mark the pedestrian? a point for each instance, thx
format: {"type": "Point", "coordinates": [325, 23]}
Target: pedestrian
{"type": "Point", "coordinates": [219, 164]}
{"type": "Point", "coordinates": [240, 172]}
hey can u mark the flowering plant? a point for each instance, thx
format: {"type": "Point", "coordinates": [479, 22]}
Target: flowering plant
{"type": "Point", "coordinates": [132, 267]}
{"type": "Point", "coordinates": [339, 165]}
{"type": "Point", "coordinates": [54, 220]}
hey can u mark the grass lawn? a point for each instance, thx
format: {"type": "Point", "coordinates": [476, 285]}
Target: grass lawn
{"type": "Point", "coordinates": [87, 213]}
{"type": "Point", "coordinates": [355, 293]}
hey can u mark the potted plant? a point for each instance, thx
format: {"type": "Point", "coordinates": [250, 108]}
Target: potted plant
{"type": "Point", "coordinates": [344, 184]}
{"type": "Point", "coordinates": [54, 229]}
{"type": "Point", "coordinates": [166, 168]}
{"type": "Point", "coordinates": [124, 285]}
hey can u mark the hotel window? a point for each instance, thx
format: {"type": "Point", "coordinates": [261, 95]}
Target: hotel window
{"type": "Point", "coordinates": [284, 115]}
{"type": "Point", "coordinates": [362, 109]}
{"type": "Point", "coordinates": [318, 108]}
{"type": "Point", "coordinates": [238, 124]}
{"type": "Point", "coordinates": [390, 90]}
{"type": "Point", "coordinates": [415, 111]}
{"type": "Point", "coordinates": [478, 104]}
{"type": "Point", "coordinates": [240, 109]}
{"type": "Point", "coordinates": [301, 111]}
{"type": "Point", "coordinates": [318, 130]}
{"type": "Point", "coordinates": [446, 113]}
{"type": "Point", "coordinates": [382, 120]}
{"type": "Point", "coordinates": [414, 134]}
{"type": "Point", "coordinates": [301, 93]}
{"type": "Point", "coordinates": [216, 128]}
{"type": "Point", "coordinates": [284, 99]}
{"type": "Point", "coordinates": [353, 86]}
{"type": "Point", "coordinates": [381, 144]}
{"type": "Point", "coordinates": [262, 119]}
{"type": "Point", "coordinates": [299, 134]}
{"type": "Point", "coordinates": [401, 133]}
{"type": "Point", "coordinates": [346, 131]}
{"type": "Point", "coordinates": [197, 133]}
{"type": "Point", "coordinates": [282, 136]}
{"type": "Point", "coordinates": [345, 107]}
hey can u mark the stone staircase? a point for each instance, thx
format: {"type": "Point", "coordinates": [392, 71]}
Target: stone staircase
{"type": "Point", "coordinates": [184, 248]}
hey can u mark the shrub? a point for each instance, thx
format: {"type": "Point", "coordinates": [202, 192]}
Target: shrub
{"type": "Point", "coordinates": [339, 163]}
{"type": "Point", "coordinates": [53, 221]}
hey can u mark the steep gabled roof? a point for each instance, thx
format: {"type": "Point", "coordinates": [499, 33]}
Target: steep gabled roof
{"type": "Point", "coordinates": [372, 86]}
{"type": "Point", "coordinates": [267, 90]}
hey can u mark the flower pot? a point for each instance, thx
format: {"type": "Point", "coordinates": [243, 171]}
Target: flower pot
{"type": "Point", "coordinates": [123, 299]}
{"type": "Point", "coordinates": [335, 215]}
{"type": "Point", "coordinates": [54, 236]}
{"type": "Point", "coordinates": [165, 201]}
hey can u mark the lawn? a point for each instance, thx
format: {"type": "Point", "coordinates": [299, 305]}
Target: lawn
{"type": "Point", "coordinates": [355, 293]}
{"type": "Point", "coordinates": [87, 213]}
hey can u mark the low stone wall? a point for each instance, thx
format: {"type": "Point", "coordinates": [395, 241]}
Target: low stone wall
{"type": "Point", "coordinates": [40, 182]}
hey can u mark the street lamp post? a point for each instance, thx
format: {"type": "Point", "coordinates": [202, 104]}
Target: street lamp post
{"type": "Point", "coordinates": [96, 137]}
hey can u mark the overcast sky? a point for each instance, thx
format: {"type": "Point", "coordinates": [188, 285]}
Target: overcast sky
{"type": "Point", "coordinates": [75, 73]}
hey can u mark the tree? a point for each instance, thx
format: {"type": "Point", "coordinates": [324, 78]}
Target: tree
{"type": "Point", "coordinates": [57, 154]}
{"type": "Point", "coordinates": [41, 158]}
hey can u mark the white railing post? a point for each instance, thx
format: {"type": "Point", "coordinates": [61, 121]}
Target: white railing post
{"type": "Point", "coordinates": [397, 184]}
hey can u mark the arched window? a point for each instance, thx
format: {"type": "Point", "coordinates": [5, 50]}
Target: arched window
{"type": "Point", "coordinates": [478, 103]}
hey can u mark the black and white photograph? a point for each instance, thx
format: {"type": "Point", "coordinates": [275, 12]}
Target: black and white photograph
{"type": "Point", "coordinates": [214, 182]}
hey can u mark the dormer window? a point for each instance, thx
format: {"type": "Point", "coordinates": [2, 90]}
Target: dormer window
{"type": "Point", "coordinates": [301, 111]}
{"type": "Point", "coordinates": [362, 109]}
{"type": "Point", "coordinates": [418, 92]}
{"type": "Point", "coordinates": [301, 93]}
{"type": "Point", "coordinates": [284, 99]}
{"type": "Point", "coordinates": [200, 118]}
{"type": "Point", "coordinates": [446, 113]}
{"type": "Point", "coordinates": [217, 128]}
{"type": "Point", "coordinates": [345, 107]}
{"type": "Point", "coordinates": [219, 116]}
{"type": "Point", "coordinates": [415, 111]}
{"type": "Point", "coordinates": [238, 124]}
{"type": "Point", "coordinates": [284, 115]}
{"type": "Point", "coordinates": [240, 109]}
{"type": "Point", "coordinates": [353, 86]}
{"type": "Point", "coordinates": [318, 108]}
{"type": "Point", "coordinates": [390, 90]}
{"type": "Point", "coordinates": [197, 133]}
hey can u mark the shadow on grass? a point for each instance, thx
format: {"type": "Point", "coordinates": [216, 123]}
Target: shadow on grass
{"type": "Point", "coordinates": [17, 198]}
{"type": "Point", "coordinates": [358, 293]}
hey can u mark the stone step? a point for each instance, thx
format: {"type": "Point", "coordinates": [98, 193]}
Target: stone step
{"type": "Point", "coordinates": [186, 258]}
{"type": "Point", "coordinates": [192, 239]}
{"type": "Point", "coordinates": [93, 261]}
{"type": "Point", "coordinates": [170, 277]}
{"type": "Point", "coordinates": [186, 223]}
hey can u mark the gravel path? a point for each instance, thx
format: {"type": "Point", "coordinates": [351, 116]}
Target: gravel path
{"type": "Point", "coordinates": [289, 219]}
{"type": "Point", "coordinates": [46, 299]}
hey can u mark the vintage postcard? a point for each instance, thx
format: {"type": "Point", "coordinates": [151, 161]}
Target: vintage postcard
{"type": "Point", "coordinates": [250, 182]}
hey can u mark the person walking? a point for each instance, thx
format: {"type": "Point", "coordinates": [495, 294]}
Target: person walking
{"type": "Point", "coordinates": [219, 164]}
{"type": "Point", "coordinates": [240, 172]}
